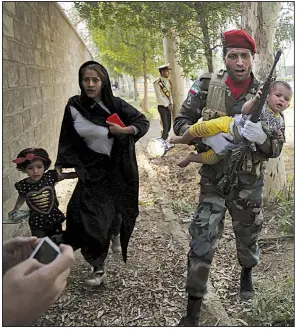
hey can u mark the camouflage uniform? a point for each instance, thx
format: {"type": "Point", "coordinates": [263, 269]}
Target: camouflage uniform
{"type": "Point", "coordinates": [244, 202]}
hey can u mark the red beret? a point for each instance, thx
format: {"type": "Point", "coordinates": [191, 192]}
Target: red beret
{"type": "Point", "coordinates": [239, 39]}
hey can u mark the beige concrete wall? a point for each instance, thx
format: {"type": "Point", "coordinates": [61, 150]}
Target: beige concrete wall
{"type": "Point", "coordinates": [42, 53]}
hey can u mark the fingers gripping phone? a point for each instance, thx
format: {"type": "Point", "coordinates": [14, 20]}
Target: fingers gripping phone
{"type": "Point", "coordinates": [114, 118]}
{"type": "Point", "coordinates": [46, 251]}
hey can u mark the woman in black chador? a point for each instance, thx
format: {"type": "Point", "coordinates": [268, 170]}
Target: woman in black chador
{"type": "Point", "coordinates": [103, 155]}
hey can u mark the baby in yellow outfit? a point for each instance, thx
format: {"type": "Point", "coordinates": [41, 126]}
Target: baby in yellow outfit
{"type": "Point", "coordinates": [279, 98]}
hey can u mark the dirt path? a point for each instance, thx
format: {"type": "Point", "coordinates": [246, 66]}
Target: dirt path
{"type": "Point", "coordinates": [276, 266]}
{"type": "Point", "coordinates": [147, 291]}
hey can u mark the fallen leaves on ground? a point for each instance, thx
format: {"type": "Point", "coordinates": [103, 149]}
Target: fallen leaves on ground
{"type": "Point", "coordinates": [150, 289]}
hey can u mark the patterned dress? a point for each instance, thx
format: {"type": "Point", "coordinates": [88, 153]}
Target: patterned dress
{"type": "Point", "coordinates": [45, 217]}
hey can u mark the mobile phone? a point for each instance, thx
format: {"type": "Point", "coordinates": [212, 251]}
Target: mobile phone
{"type": "Point", "coordinates": [114, 118]}
{"type": "Point", "coordinates": [46, 251]}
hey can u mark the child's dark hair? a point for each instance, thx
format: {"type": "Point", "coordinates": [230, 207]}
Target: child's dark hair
{"type": "Point", "coordinates": [280, 82]}
{"type": "Point", "coordinates": [39, 152]}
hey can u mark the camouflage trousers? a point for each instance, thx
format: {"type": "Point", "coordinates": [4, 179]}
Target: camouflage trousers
{"type": "Point", "coordinates": [244, 206]}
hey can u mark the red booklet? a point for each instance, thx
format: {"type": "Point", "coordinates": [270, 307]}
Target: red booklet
{"type": "Point", "coordinates": [114, 118]}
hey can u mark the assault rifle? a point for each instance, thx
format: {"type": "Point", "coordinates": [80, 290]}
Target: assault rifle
{"type": "Point", "coordinates": [237, 155]}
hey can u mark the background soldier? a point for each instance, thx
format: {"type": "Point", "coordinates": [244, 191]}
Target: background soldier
{"type": "Point", "coordinates": [163, 93]}
{"type": "Point", "coordinates": [226, 91]}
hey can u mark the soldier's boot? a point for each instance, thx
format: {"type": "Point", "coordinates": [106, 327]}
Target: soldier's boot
{"type": "Point", "coordinates": [246, 287]}
{"type": "Point", "coordinates": [192, 313]}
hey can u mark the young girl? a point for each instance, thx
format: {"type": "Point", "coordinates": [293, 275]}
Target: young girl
{"type": "Point", "coordinates": [39, 193]}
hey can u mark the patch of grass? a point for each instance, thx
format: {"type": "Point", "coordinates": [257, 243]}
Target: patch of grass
{"type": "Point", "coordinates": [182, 207]}
{"type": "Point", "coordinates": [274, 305]}
{"type": "Point", "coordinates": [288, 154]}
{"type": "Point", "coordinates": [286, 202]}
{"type": "Point", "coordinates": [147, 203]}
{"type": "Point", "coordinates": [152, 112]}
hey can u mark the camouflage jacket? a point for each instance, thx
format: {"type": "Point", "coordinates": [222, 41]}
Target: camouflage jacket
{"type": "Point", "coordinates": [211, 91]}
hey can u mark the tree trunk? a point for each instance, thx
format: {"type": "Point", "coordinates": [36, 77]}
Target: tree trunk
{"type": "Point", "coordinates": [135, 88]}
{"type": "Point", "coordinates": [130, 89]}
{"type": "Point", "coordinates": [122, 86]}
{"type": "Point", "coordinates": [176, 74]}
{"type": "Point", "coordinates": [260, 20]}
{"type": "Point", "coordinates": [205, 30]}
{"type": "Point", "coordinates": [275, 178]}
{"type": "Point", "coordinates": [208, 54]}
{"type": "Point", "coordinates": [126, 85]}
{"type": "Point", "coordinates": [145, 102]}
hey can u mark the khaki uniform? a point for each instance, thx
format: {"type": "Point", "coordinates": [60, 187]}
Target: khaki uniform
{"type": "Point", "coordinates": [161, 98]}
{"type": "Point", "coordinates": [245, 200]}
{"type": "Point", "coordinates": [163, 92]}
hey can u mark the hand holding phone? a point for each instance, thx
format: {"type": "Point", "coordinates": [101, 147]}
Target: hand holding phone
{"type": "Point", "coordinates": [16, 250]}
{"type": "Point", "coordinates": [114, 118]}
{"type": "Point", "coordinates": [35, 287]}
{"type": "Point", "coordinates": [46, 251]}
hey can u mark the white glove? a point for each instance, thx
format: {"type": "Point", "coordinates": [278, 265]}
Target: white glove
{"type": "Point", "coordinates": [254, 132]}
{"type": "Point", "coordinates": [220, 143]}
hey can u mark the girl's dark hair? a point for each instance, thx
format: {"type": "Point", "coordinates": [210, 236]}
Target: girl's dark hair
{"type": "Point", "coordinates": [96, 68]}
{"type": "Point", "coordinates": [36, 151]}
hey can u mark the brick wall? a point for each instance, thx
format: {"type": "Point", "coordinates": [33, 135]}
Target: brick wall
{"type": "Point", "coordinates": [42, 53]}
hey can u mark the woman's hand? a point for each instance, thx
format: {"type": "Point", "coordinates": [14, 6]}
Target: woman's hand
{"type": "Point", "coordinates": [116, 129]}
{"type": "Point", "coordinates": [59, 172]}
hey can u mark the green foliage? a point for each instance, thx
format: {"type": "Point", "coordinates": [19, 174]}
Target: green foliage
{"type": "Point", "coordinates": [152, 112]}
{"type": "Point", "coordinates": [286, 202]}
{"type": "Point", "coordinates": [125, 44]}
{"type": "Point", "coordinates": [128, 33]}
{"type": "Point", "coordinates": [285, 28]}
{"type": "Point", "coordinates": [200, 35]}
{"type": "Point", "coordinates": [274, 305]}
{"type": "Point", "coordinates": [198, 26]}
